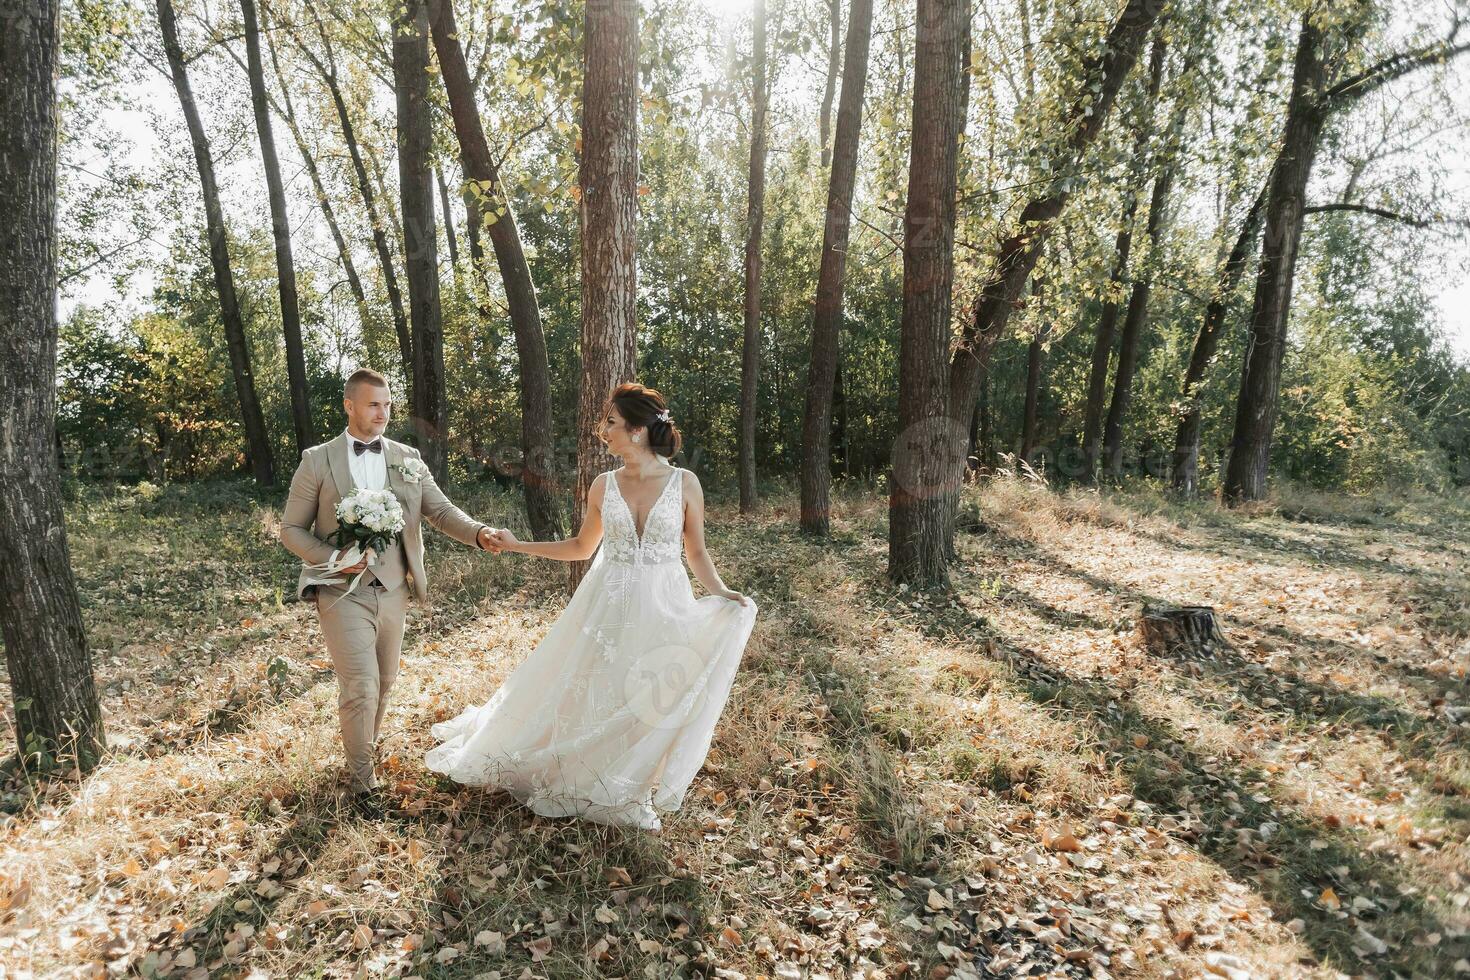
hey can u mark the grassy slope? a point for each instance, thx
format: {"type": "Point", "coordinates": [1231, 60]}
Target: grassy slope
{"type": "Point", "coordinates": [1000, 777]}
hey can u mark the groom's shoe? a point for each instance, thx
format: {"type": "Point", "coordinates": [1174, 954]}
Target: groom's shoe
{"type": "Point", "coordinates": [369, 804]}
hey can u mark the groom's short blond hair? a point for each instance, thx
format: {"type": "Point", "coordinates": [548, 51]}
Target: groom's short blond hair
{"type": "Point", "coordinates": [363, 376]}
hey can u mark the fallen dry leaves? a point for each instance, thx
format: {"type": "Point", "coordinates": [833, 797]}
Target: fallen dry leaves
{"type": "Point", "coordinates": [999, 782]}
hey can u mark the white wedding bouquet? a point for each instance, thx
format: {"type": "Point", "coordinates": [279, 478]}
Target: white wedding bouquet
{"type": "Point", "coordinates": [369, 522]}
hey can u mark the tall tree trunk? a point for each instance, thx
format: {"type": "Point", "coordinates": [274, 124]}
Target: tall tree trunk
{"type": "Point", "coordinates": [1034, 355]}
{"type": "Point", "coordinates": [1102, 345]}
{"type": "Point", "coordinates": [816, 445]}
{"type": "Point", "coordinates": [1133, 323]}
{"type": "Point", "coordinates": [1107, 324]}
{"type": "Point", "coordinates": [1137, 316]}
{"type": "Point", "coordinates": [57, 717]}
{"type": "Point", "coordinates": [841, 462]}
{"type": "Point", "coordinates": [281, 232]}
{"type": "Point", "coordinates": [1033, 397]}
{"type": "Point", "coordinates": [421, 249]}
{"type": "Point", "coordinates": [449, 239]}
{"type": "Point", "coordinates": [487, 199]}
{"type": "Point", "coordinates": [974, 443]}
{"type": "Point", "coordinates": [755, 210]}
{"type": "Point", "coordinates": [834, 54]}
{"type": "Point", "coordinates": [917, 543]}
{"type": "Point", "coordinates": [1260, 382]}
{"type": "Point", "coordinates": [319, 189]}
{"type": "Point", "coordinates": [328, 71]}
{"type": "Point", "coordinates": [257, 443]}
{"type": "Point", "coordinates": [609, 210]}
{"type": "Point", "coordinates": [370, 152]}
{"type": "Point", "coordinates": [980, 428]}
{"type": "Point", "coordinates": [1185, 469]}
{"type": "Point", "coordinates": [987, 422]}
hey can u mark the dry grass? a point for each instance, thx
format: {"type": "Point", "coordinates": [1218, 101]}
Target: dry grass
{"type": "Point", "coordinates": [902, 784]}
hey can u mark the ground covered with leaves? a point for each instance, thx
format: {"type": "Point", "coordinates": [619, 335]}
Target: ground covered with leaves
{"type": "Point", "coordinates": [1001, 780]}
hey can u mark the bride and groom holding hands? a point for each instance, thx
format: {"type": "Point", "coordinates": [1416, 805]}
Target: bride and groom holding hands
{"type": "Point", "coordinates": [611, 716]}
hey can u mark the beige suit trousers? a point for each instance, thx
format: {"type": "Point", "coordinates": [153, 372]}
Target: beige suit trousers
{"type": "Point", "coordinates": [364, 633]}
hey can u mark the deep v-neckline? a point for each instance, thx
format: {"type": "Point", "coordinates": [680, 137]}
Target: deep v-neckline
{"type": "Point", "coordinates": [637, 534]}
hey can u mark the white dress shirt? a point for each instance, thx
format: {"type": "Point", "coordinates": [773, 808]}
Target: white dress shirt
{"type": "Point", "coordinates": [369, 469]}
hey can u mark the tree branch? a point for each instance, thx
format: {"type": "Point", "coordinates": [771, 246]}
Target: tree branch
{"type": "Point", "coordinates": [102, 257]}
{"type": "Point", "coordinates": [1386, 214]}
{"type": "Point", "coordinates": [1393, 67]}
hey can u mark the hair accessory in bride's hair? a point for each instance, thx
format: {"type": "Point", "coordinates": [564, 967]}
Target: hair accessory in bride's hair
{"type": "Point", "coordinates": [664, 416]}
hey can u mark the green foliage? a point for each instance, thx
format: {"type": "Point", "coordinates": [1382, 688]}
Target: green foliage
{"type": "Point", "coordinates": [1371, 394]}
{"type": "Point", "coordinates": [141, 398]}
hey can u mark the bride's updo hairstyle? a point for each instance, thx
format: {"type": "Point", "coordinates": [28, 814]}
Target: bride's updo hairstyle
{"type": "Point", "coordinates": [645, 407]}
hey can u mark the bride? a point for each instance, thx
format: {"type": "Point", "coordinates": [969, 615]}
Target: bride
{"type": "Point", "coordinates": [611, 716]}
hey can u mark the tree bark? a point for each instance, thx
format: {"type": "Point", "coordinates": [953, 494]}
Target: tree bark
{"type": "Point", "coordinates": [834, 54]}
{"type": "Point", "coordinates": [58, 721]}
{"type": "Point", "coordinates": [281, 232]}
{"type": "Point", "coordinates": [609, 210]}
{"type": "Point", "coordinates": [917, 542]}
{"type": "Point", "coordinates": [487, 200]}
{"type": "Point", "coordinates": [328, 71]}
{"type": "Point", "coordinates": [1185, 468]}
{"type": "Point", "coordinates": [1260, 382]}
{"type": "Point", "coordinates": [816, 442]}
{"type": "Point", "coordinates": [755, 210]}
{"type": "Point", "coordinates": [421, 249]}
{"type": "Point", "coordinates": [257, 443]}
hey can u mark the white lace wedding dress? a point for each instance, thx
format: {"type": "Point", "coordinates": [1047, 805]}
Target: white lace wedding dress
{"type": "Point", "coordinates": [611, 716]}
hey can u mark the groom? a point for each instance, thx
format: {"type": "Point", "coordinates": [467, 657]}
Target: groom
{"type": "Point", "coordinates": [364, 628]}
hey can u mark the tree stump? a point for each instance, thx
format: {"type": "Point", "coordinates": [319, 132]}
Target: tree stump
{"type": "Point", "coordinates": [1190, 631]}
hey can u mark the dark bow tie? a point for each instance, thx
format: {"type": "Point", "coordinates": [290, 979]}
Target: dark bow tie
{"type": "Point", "coordinates": [361, 447]}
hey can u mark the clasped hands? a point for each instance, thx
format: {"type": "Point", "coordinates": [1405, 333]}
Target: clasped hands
{"type": "Point", "coordinates": [496, 540]}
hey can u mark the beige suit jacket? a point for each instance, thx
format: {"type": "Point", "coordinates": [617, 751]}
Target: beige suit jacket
{"type": "Point", "coordinates": [324, 477]}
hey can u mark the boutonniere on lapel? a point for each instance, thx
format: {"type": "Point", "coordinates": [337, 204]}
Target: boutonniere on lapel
{"type": "Point", "coordinates": [412, 470]}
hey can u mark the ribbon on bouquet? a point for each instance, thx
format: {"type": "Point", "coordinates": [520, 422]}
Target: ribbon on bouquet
{"type": "Point", "coordinates": [333, 567]}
